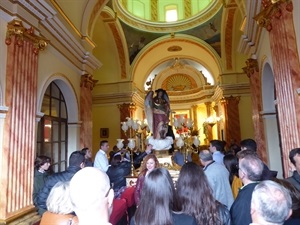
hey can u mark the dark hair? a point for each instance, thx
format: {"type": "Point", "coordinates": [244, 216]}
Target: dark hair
{"type": "Point", "coordinates": [76, 158]}
{"type": "Point", "coordinates": [115, 160]}
{"type": "Point", "coordinates": [295, 195]}
{"type": "Point", "coordinates": [252, 166]}
{"type": "Point", "coordinates": [194, 195]}
{"type": "Point", "coordinates": [103, 142]}
{"type": "Point", "coordinates": [293, 153]}
{"type": "Point", "coordinates": [219, 145]}
{"type": "Point", "coordinates": [231, 163]}
{"type": "Point", "coordinates": [157, 199]}
{"type": "Point", "coordinates": [249, 144]}
{"type": "Point", "coordinates": [84, 150]}
{"type": "Point", "coordinates": [41, 160]}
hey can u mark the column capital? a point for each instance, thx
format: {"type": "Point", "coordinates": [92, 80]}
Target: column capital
{"type": "Point", "coordinates": [251, 67]}
{"type": "Point", "coordinates": [230, 99]}
{"type": "Point", "coordinates": [16, 28]}
{"type": "Point", "coordinates": [87, 81]}
{"type": "Point", "coordinates": [272, 9]}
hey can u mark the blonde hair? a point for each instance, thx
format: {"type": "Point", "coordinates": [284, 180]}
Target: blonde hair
{"type": "Point", "coordinates": [59, 200]}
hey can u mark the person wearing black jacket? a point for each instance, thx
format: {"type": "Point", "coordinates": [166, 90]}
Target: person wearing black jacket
{"type": "Point", "coordinates": [76, 162]}
{"type": "Point", "coordinates": [121, 167]}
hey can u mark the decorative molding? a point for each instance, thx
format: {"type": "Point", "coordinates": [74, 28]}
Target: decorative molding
{"type": "Point", "coordinates": [16, 28]}
{"type": "Point", "coordinates": [251, 68]}
{"type": "Point", "coordinates": [271, 10]}
{"type": "Point", "coordinates": [88, 81]}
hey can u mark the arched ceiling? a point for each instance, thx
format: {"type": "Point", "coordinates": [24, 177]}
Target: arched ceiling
{"type": "Point", "coordinates": [132, 55]}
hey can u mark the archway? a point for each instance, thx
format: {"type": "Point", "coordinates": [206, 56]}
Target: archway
{"type": "Point", "coordinates": [270, 120]}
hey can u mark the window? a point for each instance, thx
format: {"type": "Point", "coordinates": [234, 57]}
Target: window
{"type": "Point", "coordinates": [52, 136]}
{"type": "Point", "coordinates": [171, 13]}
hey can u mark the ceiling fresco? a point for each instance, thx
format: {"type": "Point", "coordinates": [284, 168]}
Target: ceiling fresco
{"type": "Point", "coordinates": [208, 31]}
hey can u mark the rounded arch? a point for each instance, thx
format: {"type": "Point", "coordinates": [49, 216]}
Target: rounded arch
{"type": "Point", "coordinates": [158, 52]}
{"type": "Point", "coordinates": [268, 92]}
{"type": "Point", "coordinates": [269, 114]}
{"type": "Point", "coordinates": [68, 92]}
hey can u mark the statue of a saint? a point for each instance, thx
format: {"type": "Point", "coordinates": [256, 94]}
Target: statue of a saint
{"type": "Point", "coordinates": [157, 110]}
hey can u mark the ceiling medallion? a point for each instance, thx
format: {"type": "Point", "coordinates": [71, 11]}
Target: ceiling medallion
{"type": "Point", "coordinates": [174, 48]}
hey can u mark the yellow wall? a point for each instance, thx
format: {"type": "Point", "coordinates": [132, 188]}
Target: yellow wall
{"type": "Point", "coordinates": [105, 116]}
{"type": "Point", "coordinates": [245, 110]}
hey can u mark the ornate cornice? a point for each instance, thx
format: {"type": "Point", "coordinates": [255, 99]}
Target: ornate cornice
{"type": "Point", "coordinates": [252, 66]}
{"type": "Point", "coordinates": [271, 10]}
{"type": "Point", "coordinates": [16, 28]}
{"type": "Point", "coordinates": [87, 81]}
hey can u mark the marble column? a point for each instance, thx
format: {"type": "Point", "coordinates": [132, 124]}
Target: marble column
{"type": "Point", "coordinates": [252, 72]}
{"type": "Point", "coordinates": [232, 119]}
{"type": "Point", "coordinates": [195, 116]}
{"type": "Point", "coordinates": [86, 86]}
{"type": "Point", "coordinates": [277, 18]}
{"type": "Point", "coordinates": [19, 135]}
{"type": "Point", "coordinates": [208, 126]}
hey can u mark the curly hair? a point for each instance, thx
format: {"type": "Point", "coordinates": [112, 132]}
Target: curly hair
{"type": "Point", "coordinates": [144, 163]}
{"type": "Point", "coordinates": [194, 196]}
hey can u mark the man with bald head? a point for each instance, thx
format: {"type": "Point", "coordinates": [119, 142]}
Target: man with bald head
{"type": "Point", "coordinates": [250, 172]}
{"type": "Point", "coordinates": [91, 196]}
{"type": "Point", "coordinates": [278, 200]}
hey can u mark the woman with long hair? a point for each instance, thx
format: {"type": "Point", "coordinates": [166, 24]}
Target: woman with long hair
{"type": "Point", "coordinates": [231, 163]}
{"type": "Point", "coordinates": [150, 162]}
{"type": "Point", "coordinates": [157, 199]}
{"type": "Point", "coordinates": [194, 197]}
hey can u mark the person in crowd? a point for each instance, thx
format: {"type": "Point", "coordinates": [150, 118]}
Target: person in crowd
{"type": "Point", "coordinates": [120, 168]}
{"type": "Point", "coordinates": [179, 157]}
{"type": "Point", "coordinates": [76, 162]}
{"type": "Point", "coordinates": [194, 197]}
{"type": "Point", "coordinates": [250, 171]}
{"type": "Point", "coordinates": [250, 145]}
{"type": "Point", "coordinates": [271, 204]}
{"type": "Point", "coordinates": [294, 156]}
{"type": "Point", "coordinates": [59, 206]}
{"type": "Point", "coordinates": [216, 147]}
{"type": "Point", "coordinates": [231, 164]}
{"type": "Point", "coordinates": [295, 195]}
{"type": "Point", "coordinates": [91, 196]}
{"type": "Point", "coordinates": [101, 160]}
{"type": "Point", "coordinates": [41, 167]}
{"type": "Point", "coordinates": [88, 157]}
{"type": "Point", "coordinates": [218, 178]}
{"type": "Point", "coordinates": [139, 157]}
{"type": "Point", "coordinates": [157, 202]}
{"type": "Point", "coordinates": [150, 162]}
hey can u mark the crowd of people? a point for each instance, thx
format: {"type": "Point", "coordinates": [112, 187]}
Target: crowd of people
{"type": "Point", "coordinates": [232, 187]}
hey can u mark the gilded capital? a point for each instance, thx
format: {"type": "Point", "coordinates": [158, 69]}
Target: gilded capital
{"type": "Point", "coordinates": [87, 81]}
{"type": "Point", "coordinates": [251, 67]}
{"type": "Point", "coordinates": [271, 9]}
{"type": "Point", "coordinates": [16, 28]}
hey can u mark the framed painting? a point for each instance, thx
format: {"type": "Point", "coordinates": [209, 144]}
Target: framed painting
{"type": "Point", "coordinates": [104, 132]}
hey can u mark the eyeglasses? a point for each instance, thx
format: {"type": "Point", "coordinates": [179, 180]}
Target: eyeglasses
{"type": "Point", "coordinates": [107, 192]}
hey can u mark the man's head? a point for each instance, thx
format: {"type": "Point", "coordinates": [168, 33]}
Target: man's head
{"type": "Point", "coordinates": [216, 145]}
{"type": "Point", "coordinates": [205, 157]}
{"type": "Point", "coordinates": [250, 168]}
{"type": "Point", "coordinates": [87, 152]}
{"type": "Point", "coordinates": [104, 145]}
{"type": "Point", "coordinates": [271, 203]}
{"type": "Point", "coordinates": [249, 144]}
{"type": "Point", "coordinates": [295, 158]}
{"type": "Point", "coordinates": [91, 195]}
{"type": "Point", "coordinates": [77, 159]}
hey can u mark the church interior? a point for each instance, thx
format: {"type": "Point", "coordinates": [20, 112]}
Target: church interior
{"type": "Point", "coordinates": [72, 71]}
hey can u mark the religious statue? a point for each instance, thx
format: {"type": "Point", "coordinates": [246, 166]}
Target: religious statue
{"type": "Point", "coordinates": [157, 110]}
